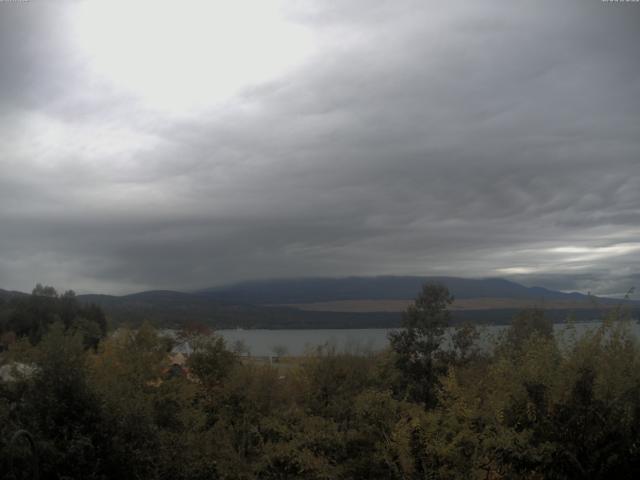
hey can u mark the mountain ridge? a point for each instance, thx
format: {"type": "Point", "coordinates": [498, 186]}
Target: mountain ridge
{"type": "Point", "coordinates": [343, 302]}
{"type": "Point", "coordinates": [383, 287]}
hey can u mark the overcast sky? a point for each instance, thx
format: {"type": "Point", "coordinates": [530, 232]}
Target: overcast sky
{"type": "Point", "coordinates": [176, 144]}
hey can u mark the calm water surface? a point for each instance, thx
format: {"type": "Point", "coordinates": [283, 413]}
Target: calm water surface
{"type": "Point", "coordinates": [299, 342]}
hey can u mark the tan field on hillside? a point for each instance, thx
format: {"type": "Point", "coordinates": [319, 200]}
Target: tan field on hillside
{"type": "Point", "coordinates": [365, 306]}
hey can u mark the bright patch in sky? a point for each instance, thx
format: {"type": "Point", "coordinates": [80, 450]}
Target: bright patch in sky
{"type": "Point", "coordinates": [177, 55]}
{"type": "Point", "coordinates": [515, 270]}
{"type": "Point", "coordinates": [596, 253]}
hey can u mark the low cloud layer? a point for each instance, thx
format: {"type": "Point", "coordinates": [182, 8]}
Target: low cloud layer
{"type": "Point", "coordinates": [409, 137]}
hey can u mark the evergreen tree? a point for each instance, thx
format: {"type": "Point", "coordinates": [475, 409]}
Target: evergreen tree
{"type": "Point", "coordinates": [417, 344]}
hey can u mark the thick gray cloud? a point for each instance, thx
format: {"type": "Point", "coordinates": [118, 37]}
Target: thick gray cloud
{"type": "Point", "coordinates": [493, 139]}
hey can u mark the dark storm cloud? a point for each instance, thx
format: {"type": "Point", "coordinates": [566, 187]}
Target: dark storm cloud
{"type": "Point", "coordinates": [499, 139]}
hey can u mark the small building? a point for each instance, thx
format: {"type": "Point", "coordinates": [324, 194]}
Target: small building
{"type": "Point", "coordinates": [177, 366]}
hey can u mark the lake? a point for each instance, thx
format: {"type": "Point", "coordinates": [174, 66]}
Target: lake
{"type": "Point", "coordinates": [299, 342]}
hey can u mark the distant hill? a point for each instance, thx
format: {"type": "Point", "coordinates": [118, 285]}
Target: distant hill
{"type": "Point", "coordinates": [351, 302]}
{"type": "Point", "coordinates": [174, 309]}
{"type": "Point", "coordinates": [311, 290]}
{"type": "Point", "coordinates": [7, 294]}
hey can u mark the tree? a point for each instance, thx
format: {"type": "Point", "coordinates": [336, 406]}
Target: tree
{"type": "Point", "coordinates": [416, 345]}
{"type": "Point", "coordinates": [527, 323]}
{"type": "Point", "coordinates": [59, 408]}
{"type": "Point", "coordinates": [279, 350]}
{"type": "Point", "coordinates": [32, 315]}
{"type": "Point", "coordinates": [44, 291]}
{"type": "Point", "coordinates": [240, 348]}
{"type": "Point", "coordinates": [210, 361]}
{"type": "Point", "coordinates": [464, 342]}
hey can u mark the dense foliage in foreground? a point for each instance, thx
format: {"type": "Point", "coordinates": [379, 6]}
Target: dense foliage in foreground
{"type": "Point", "coordinates": [537, 406]}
